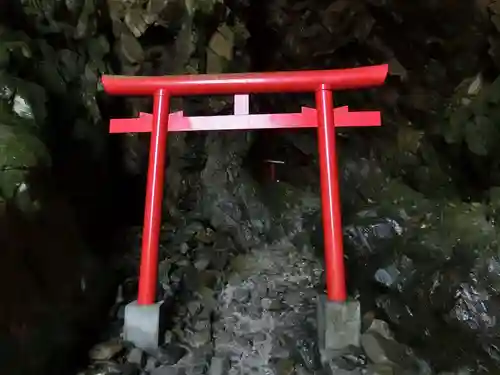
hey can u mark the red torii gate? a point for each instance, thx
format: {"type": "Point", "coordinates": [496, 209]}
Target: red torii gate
{"type": "Point", "coordinates": [324, 117]}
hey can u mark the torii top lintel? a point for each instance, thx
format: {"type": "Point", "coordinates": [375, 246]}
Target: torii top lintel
{"type": "Point", "coordinates": [247, 83]}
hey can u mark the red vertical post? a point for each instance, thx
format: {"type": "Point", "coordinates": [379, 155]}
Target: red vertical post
{"type": "Point", "coordinates": [148, 273]}
{"type": "Point", "coordinates": [330, 197]}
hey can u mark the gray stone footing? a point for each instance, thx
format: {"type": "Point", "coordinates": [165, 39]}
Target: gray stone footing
{"type": "Point", "coordinates": [142, 325]}
{"type": "Point", "coordinates": [339, 327]}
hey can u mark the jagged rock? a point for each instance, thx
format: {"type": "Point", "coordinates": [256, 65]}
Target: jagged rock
{"type": "Point", "coordinates": [130, 49]}
{"type": "Point", "coordinates": [106, 350]}
{"type": "Point", "coordinates": [136, 356]}
{"type": "Point", "coordinates": [228, 209]}
{"type": "Point", "coordinates": [220, 50]}
{"type": "Point", "coordinates": [374, 349]}
{"type": "Point", "coordinates": [201, 334]}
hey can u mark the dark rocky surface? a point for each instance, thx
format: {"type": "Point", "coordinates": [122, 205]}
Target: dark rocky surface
{"type": "Point", "coordinates": [251, 313]}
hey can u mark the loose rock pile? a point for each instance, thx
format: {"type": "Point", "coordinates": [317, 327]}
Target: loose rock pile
{"type": "Point", "coordinates": [248, 313]}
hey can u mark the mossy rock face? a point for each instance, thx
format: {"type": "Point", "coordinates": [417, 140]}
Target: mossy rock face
{"type": "Point", "coordinates": [19, 151]}
{"type": "Point", "coordinates": [22, 108]}
{"type": "Point", "coordinates": [473, 116]}
{"type": "Point", "coordinates": [20, 148]}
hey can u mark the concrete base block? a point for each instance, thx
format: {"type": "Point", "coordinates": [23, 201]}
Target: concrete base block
{"type": "Point", "coordinates": [339, 327]}
{"type": "Point", "coordinates": [142, 325]}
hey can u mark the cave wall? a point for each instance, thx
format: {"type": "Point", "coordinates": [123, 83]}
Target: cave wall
{"type": "Point", "coordinates": [60, 223]}
{"type": "Point", "coordinates": [57, 229]}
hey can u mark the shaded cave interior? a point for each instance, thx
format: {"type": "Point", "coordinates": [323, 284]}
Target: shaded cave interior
{"type": "Point", "coordinates": [107, 198]}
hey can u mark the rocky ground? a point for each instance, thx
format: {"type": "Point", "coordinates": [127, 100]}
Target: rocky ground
{"type": "Point", "coordinates": [247, 313]}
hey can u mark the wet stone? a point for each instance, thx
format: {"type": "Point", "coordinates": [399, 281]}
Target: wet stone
{"type": "Point", "coordinates": [381, 328]}
{"type": "Point", "coordinates": [202, 325]}
{"type": "Point", "coordinates": [168, 337]}
{"type": "Point", "coordinates": [280, 352]}
{"type": "Point", "coordinates": [169, 354]}
{"type": "Point", "coordinates": [199, 338]}
{"type": "Point", "coordinates": [105, 350]}
{"type": "Point", "coordinates": [285, 367]}
{"type": "Point", "coordinates": [202, 264]}
{"type": "Point", "coordinates": [387, 276]}
{"type": "Point", "coordinates": [308, 353]}
{"type": "Point", "coordinates": [206, 312]}
{"type": "Point", "coordinates": [356, 357]}
{"type": "Point", "coordinates": [184, 248]}
{"type": "Point", "coordinates": [266, 303]}
{"type": "Point", "coordinates": [373, 348]}
{"type": "Point", "coordinates": [382, 350]}
{"type": "Point", "coordinates": [223, 339]}
{"type": "Point", "coordinates": [176, 276]}
{"type": "Point", "coordinates": [136, 356]}
{"type": "Point", "coordinates": [194, 307]}
{"type": "Point", "coordinates": [209, 278]}
{"type": "Point", "coordinates": [151, 364]}
{"type": "Point", "coordinates": [241, 295]}
{"type": "Point", "coordinates": [293, 298]}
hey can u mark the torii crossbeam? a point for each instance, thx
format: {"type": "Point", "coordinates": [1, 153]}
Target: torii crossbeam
{"type": "Point", "coordinates": [324, 117]}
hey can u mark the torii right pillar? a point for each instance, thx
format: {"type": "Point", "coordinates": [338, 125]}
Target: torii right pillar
{"type": "Point", "coordinates": [338, 319]}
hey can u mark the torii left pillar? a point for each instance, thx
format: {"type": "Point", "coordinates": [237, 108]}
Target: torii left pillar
{"type": "Point", "coordinates": [338, 318]}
